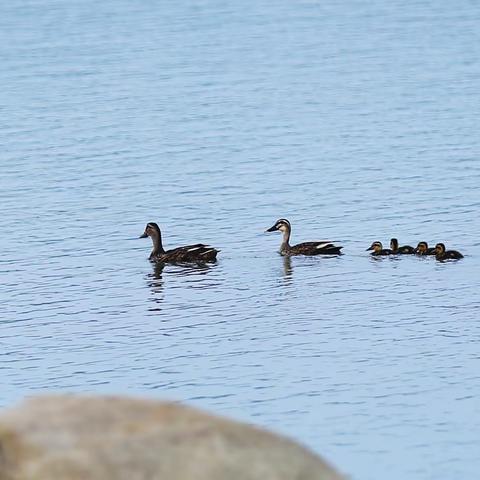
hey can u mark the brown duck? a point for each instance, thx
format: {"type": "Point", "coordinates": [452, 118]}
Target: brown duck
{"type": "Point", "coordinates": [403, 250]}
{"type": "Point", "coordinates": [308, 248]}
{"type": "Point", "coordinates": [424, 249]}
{"type": "Point", "coordinates": [378, 249]}
{"type": "Point", "coordinates": [189, 253]}
{"type": "Point", "coordinates": [442, 254]}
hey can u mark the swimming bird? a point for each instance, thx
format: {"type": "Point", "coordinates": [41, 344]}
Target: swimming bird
{"type": "Point", "coordinates": [442, 254]}
{"type": "Point", "coordinates": [189, 253]}
{"type": "Point", "coordinates": [424, 249]}
{"type": "Point", "coordinates": [308, 248]}
{"type": "Point", "coordinates": [378, 249]}
{"type": "Point", "coordinates": [405, 249]}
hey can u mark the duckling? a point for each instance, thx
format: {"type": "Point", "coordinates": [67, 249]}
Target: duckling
{"type": "Point", "coordinates": [378, 249]}
{"type": "Point", "coordinates": [308, 248]}
{"type": "Point", "coordinates": [405, 250]}
{"type": "Point", "coordinates": [424, 249]}
{"type": "Point", "coordinates": [442, 254]}
{"type": "Point", "coordinates": [190, 253]}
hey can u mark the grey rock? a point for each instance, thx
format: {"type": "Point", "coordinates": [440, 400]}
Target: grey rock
{"type": "Point", "coordinates": [116, 438]}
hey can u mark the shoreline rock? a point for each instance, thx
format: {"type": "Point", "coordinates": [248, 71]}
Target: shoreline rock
{"type": "Point", "coordinates": [120, 438]}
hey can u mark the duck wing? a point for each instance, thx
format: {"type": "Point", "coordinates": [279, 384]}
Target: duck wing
{"type": "Point", "coordinates": [454, 254]}
{"type": "Point", "coordinates": [315, 248]}
{"type": "Point", "coordinates": [406, 249]}
{"type": "Point", "coordinates": [198, 252]}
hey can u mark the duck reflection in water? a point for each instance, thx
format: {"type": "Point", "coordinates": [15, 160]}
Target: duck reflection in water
{"type": "Point", "coordinates": [156, 279]}
{"type": "Point", "coordinates": [287, 267]}
{"type": "Point", "coordinates": [155, 282]}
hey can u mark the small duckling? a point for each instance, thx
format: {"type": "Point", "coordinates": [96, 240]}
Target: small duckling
{"type": "Point", "coordinates": [404, 250]}
{"type": "Point", "coordinates": [442, 254]}
{"type": "Point", "coordinates": [424, 249]}
{"type": "Point", "coordinates": [189, 253]}
{"type": "Point", "coordinates": [308, 248]}
{"type": "Point", "coordinates": [378, 249]}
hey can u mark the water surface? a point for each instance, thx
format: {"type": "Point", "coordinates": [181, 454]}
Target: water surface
{"type": "Point", "coordinates": [357, 122]}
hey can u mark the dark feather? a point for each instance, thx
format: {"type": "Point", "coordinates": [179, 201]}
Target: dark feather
{"type": "Point", "coordinates": [449, 255]}
{"type": "Point", "coordinates": [314, 248]}
{"type": "Point", "coordinates": [406, 250]}
{"type": "Point", "coordinates": [189, 253]}
{"type": "Point", "coordinates": [384, 251]}
{"type": "Point", "coordinates": [429, 250]}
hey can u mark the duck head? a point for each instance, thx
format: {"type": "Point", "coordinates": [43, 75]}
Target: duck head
{"type": "Point", "coordinates": [375, 246]}
{"type": "Point", "coordinates": [394, 244]}
{"type": "Point", "coordinates": [422, 248]}
{"type": "Point", "coordinates": [439, 249]}
{"type": "Point", "coordinates": [283, 225]}
{"type": "Point", "coordinates": [151, 230]}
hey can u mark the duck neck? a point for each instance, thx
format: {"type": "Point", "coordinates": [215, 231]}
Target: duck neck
{"type": "Point", "coordinates": [394, 245]}
{"type": "Point", "coordinates": [157, 244]}
{"type": "Point", "coordinates": [285, 246]}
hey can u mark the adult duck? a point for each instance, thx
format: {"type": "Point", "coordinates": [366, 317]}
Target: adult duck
{"type": "Point", "coordinates": [189, 253]}
{"type": "Point", "coordinates": [324, 247]}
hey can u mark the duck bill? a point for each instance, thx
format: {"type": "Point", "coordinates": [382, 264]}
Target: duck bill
{"type": "Point", "coordinates": [369, 248]}
{"type": "Point", "coordinates": [144, 235]}
{"type": "Point", "coordinates": [271, 229]}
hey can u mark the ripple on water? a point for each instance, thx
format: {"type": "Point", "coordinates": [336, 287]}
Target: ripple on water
{"type": "Point", "coordinates": [214, 121]}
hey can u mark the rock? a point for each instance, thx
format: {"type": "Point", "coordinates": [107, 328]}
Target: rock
{"type": "Point", "coordinates": [115, 438]}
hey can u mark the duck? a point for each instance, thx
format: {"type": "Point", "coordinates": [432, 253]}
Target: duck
{"type": "Point", "coordinates": [442, 254]}
{"type": "Point", "coordinates": [404, 250]}
{"type": "Point", "coordinates": [324, 247]}
{"type": "Point", "coordinates": [378, 249]}
{"type": "Point", "coordinates": [189, 253]}
{"type": "Point", "coordinates": [424, 249]}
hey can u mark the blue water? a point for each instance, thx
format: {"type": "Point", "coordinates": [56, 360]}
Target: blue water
{"type": "Point", "coordinates": [356, 121]}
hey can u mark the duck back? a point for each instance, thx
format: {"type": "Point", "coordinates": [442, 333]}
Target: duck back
{"type": "Point", "coordinates": [449, 255]}
{"type": "Point", "coordinates": [315, 248]}
{"type": "Point", "coordinates": [190, 253]}
{"type": "Point", "coordinates": [406, 250]}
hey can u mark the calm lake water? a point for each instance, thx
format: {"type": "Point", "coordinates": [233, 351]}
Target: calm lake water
{"type": "Point", "coordinates": [357, 121]}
